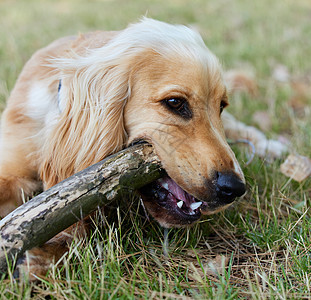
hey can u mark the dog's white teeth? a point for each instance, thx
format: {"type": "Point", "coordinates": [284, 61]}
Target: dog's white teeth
{"type": "Point", "coordinates": [195, 205]}
{"type": "Point", "coordinates": [165, 185]}
{"type": "Point", "coordinates": [180, 203]}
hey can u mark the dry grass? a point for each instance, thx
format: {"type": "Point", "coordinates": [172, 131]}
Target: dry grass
{"type": "Point", "coordinates": [260, 248]}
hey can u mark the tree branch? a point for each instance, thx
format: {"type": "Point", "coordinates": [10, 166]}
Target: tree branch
{"type": "Point", "coordinates": [47, 214]}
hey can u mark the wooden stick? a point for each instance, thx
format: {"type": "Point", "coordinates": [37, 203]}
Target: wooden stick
{"type": "Point", "coordinates": [41, 218]}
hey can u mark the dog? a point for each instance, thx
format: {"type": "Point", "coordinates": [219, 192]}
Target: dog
{"type": "Point", "coordinates": [85, 97]}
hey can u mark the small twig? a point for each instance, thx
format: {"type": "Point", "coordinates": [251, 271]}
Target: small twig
{"type": "Point", "coordinates": [144, 208]}
{"type": "Point", "coordinates": [249, 143]}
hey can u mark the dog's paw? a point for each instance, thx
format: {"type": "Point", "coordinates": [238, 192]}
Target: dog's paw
{"type": "Point", "coordinates": [32, 266]}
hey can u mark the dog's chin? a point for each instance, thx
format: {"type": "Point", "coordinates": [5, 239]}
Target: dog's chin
{"type": "Point", "coordinates": [170, 205]}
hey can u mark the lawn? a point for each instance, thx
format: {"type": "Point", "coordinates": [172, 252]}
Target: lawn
{"type": "Point", "coordinates": [260, 247]}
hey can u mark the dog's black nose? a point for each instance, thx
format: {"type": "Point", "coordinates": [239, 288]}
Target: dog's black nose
{"type": "Point", "coordinates": [229, 186]}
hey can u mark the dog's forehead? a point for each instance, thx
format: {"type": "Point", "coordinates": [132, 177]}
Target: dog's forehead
{"type": "Point", "coordinates": [195, 78]}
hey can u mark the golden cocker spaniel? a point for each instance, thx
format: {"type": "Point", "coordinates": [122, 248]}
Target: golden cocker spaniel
{"type": "Point", "coordinates": [83, 98]}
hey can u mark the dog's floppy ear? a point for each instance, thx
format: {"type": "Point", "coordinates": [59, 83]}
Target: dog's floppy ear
{"type": "Point", "coordinates": [90, 126]}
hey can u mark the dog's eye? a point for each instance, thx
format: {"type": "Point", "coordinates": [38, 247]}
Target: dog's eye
{"type": "Point", "coordinates": [223, 105]}
{"type": "Point", "coordinates": [175, 103]}
{"type": "Point", "coordinates": [178, 106]}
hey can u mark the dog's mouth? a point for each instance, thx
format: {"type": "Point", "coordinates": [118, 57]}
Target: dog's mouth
{"type": "Point", "coordinates": [165, 196]}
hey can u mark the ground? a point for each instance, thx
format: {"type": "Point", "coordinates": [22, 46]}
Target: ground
{"type": "Point", "coordinates": [260, 247]}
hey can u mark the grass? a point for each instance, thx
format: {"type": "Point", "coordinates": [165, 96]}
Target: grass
{"type": "Point", "coordinates": [259, 248]}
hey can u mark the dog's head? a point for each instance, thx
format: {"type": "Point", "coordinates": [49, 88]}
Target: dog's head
{"type": "Point", "coordinates": [177, 97]}
{"type": "Point", "coordinates": [158, 83]}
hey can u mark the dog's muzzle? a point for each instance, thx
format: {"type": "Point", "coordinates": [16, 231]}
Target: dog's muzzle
{"type": "Point", "coordinates": [164, 197]}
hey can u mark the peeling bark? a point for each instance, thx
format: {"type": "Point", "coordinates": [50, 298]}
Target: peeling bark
{"type": "Point", "coordinates": [41, 218]}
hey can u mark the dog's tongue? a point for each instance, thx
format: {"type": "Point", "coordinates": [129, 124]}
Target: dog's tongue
{"type": "Point", "coordinates": [171, 186]}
